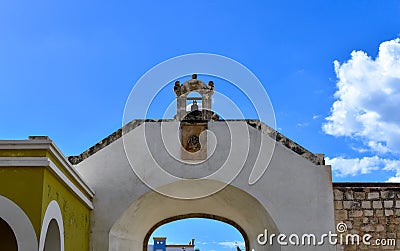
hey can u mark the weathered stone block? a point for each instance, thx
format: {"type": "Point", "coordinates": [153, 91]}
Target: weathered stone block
{"type": "Point", "coordinates": [388, 203]}
{"type": "Point", "coordinates": [366, 204]}
{"type": "Point", "coordinates": [391, 231]}
{"type": "Point", "coordinates": [379, 213]}
{"type": "Point", "coordinates": [357, 222]}
{"type": "Point", "coordinates": [338, 195]}
{"type": "Point", "coordinates": [380, 228]}
{"type": "Point", "coordinates": [367, 228]}
{"type": "Point", "coordinates": [354, 231]}
{"type": "Point", "coordinates": [341, 215]}
{"type": "Point", "coordinates": [359, 195]}
{"type": "Point", "coordinates": [347, 204]}
{"type": "Point", "coordinates": [389, 212]}
{"type": "Point", "coordinates": [351, 205]}
{"type": "Point", "coordinates": [368, 212]}
{"type": "Point", "coordinates": [387, 194]}
{"type": "Point", "coordinates": [377, 204]}
{"type": "Point", "coordinates": [355, 213]}
{"type": "Point", "coordinates": [349, 195]}
{"type": "Point", "coordinates": [398, 204]}
{"type": "Point", "coordinates": [338, 205]}
{"type": "Point", "coordinates": [382, 220]}
{"type": "Point", "coordinates": [373, 196]}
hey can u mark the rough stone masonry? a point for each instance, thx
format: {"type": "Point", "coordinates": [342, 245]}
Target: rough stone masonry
{"type": "Point", "coordinates": [369, 208]}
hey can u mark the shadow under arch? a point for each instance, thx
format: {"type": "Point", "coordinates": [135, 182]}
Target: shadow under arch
{"type": "Point", "coordinates": [8, 239]}
{"type": "Point", "coordinates": [197, 215]}
{"type": "Point", "coordinates": [231, 205]}
{"type": "Point", "coordinates": [52, 239]}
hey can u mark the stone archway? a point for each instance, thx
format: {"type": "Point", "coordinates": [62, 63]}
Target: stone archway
{"type": "Point", "coordinates": [130, 231]}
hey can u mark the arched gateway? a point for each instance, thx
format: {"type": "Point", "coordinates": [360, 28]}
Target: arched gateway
{"type": "Point", "coordinates": [231, 205]}
{"type": "Point", "coordinates": [152, 172]}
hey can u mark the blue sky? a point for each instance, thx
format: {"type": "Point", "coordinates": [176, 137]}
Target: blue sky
{"type": "Point", "coordinates": [204, 232]}
{"type": "Point", "coordinates": [67, 68]}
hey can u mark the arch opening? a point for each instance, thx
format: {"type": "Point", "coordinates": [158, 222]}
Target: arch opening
{"type": "Point", "coordinates": [52, 233]}
{"type": "Point", "coordinates": [232, 205]}
{"type": "Point", "coordinates": [19, 223]}
{"type": "Point", "coordinates": [193, 101]}
{"type": "Point", "coordinates": [235, 233]}
{"type": "Point", "coordinates": [8, 239]}
{"type": "Point", "coordinates": [52, 241]}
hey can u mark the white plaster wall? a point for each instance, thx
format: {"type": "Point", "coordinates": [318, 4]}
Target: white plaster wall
{"type": "Point", "coordinates": [293, 196]}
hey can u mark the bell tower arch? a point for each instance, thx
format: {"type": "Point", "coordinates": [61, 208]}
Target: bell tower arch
{"type": "Point", "coordinates": [193, 85]}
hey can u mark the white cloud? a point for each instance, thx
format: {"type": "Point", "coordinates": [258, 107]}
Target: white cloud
{"type": "Point", "coordinates": [231, 244]}
{"type": "Point", "coordinates": [367, 105]}
{"type": "Point", "coordinates": [202, 242]}
{"type": "Point", "coordinates": [394, 179]}
{"type": "Point", "coordinates": [350, 167]}
{"type": "Point", "coordinates": [343, 167]}
{"type": "Point", "coordinates": [393, 166]}
{"type": "Point", "coordinates": [367, 109]}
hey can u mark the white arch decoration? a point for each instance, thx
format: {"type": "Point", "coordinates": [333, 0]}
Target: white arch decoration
{"type": "Point", "coordinates": [53, 211]}
{"type": "Point", "coordinates": [19, 223]}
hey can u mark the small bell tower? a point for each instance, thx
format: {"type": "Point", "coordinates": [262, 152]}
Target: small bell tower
{"type": "Point", "coordinates": [193, 123]}
{"type": "Point", "coordinates": [194, 85]}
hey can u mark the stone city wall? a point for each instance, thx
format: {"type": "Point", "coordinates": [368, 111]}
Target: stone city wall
{"type": "Point", "coordinates": [368, 208]}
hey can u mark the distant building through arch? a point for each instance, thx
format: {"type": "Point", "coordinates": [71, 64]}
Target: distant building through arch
{"type": "Point", "coordinates": [199, 216]}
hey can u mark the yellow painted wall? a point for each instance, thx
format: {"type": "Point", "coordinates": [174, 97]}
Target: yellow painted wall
{"type": "Point", "coordinates": [66, 173]}
{"type": "Point", "coordinates": [33, 188]}
{"type": "Point", "coordinates": [23, 185]}
{"type": "Point", "coordinates": [41, 153]}
{"type": "Point", "coordinates": [75, 213]}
